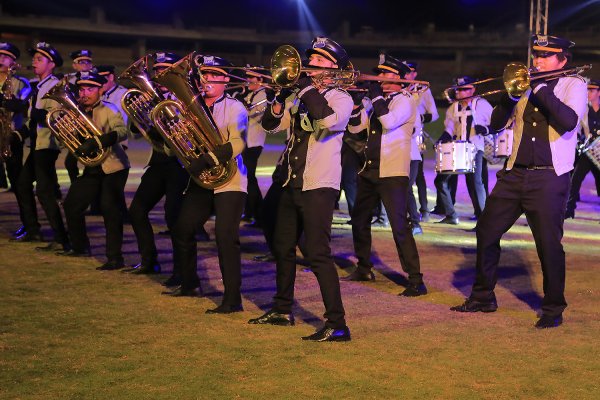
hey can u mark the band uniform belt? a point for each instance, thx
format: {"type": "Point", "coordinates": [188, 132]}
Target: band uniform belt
{"type": "Point", "coordinates": [534, 167]}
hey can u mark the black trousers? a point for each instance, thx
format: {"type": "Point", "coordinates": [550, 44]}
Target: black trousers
{"type": "Point", "coordinates": [311, 212]}
{"type": "Point", "coordinates": [542, 196]}
{"type": "Point", "coordinates": [254, 199]}
{"type": "Point", "coordinates": [422, 188]}
{"type": "Point", "coordinates": [81, 193]}
{"type": "Point", "coordinates": [40, 167]}
{"type": "Point", "coordinates": [413, 213]}
{"type": "Point", "coordinates": [351, 164]}
{"type": "Point", "coordinates": [167, 179]}
{"type": "Point", "coordinates": [268, 213]}
{"type": "Point", "coordinates": [393, 191]}
{"type": "Point", "coordinates": [71, 166]}
{"type": "Point", "coordinates": [14, 165]}
{"type": "Point", "coordinates": [195, 211]}
{"type": "Point", "coordinates": [583, 166]}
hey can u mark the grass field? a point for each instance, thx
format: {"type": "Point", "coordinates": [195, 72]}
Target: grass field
{"type": "Point", "coordinates": [68, 331]}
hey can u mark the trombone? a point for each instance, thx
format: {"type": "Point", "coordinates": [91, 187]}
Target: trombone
{"type": "Point", "coordinates": [516, 79]}
{"type": "Point", "coordinates": [286, 69]}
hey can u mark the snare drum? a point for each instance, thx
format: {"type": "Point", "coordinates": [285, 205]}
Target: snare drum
{"type": "Point", "coordinates": [455, 158]}
{"type": "Point", "coordinates": [504, 143]}
{"type": "Point", "coordinates": [593, 152]}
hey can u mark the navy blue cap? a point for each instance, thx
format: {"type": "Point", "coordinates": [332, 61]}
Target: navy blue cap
{"type": "Point", "coordinates": [329, 49]}
{"type": "Point", "coordinates": [90, 78]}
{"type": "Point", "coordinates": [212, 63]}
{"type": "Point", "coordinates": [47, 51]}
{"type": "Point", "coordinates": [464, 81]}
{"type": "Point", "coordinates": [388, 63]}
{"type": "Point", "coordinates": [105, 69]}
{"type": "Point", "coordinates": [550, 44]}
{"type": "Point", "coordinates": [10, 50]}
{"type": "Point", "coordinates": [164, 59]}
{"type": "Point", "coordinates": [81, 55]}
{"type": "Point", "coordinates": [593, 84]}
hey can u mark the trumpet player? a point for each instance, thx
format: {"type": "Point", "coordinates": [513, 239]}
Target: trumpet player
{"type": "Point", "coordinates": [107, 178]}
{"type": "Point", "coordinates": [385, 174]}
{"type": "Point", "coordinates": [535, 180]}
{"type": "Point", "coordinates": [163, 176]}
{"type": "Point", "coordinates": [467, 119]}
{"type": "Point", "coordinates": [228, 199]}
{"type": "Point", "coordinates": [14, 94]}
{"type": "Point", "coordinates": [39, 166]}
{"type": "Point", "coordinates": [312, 168]}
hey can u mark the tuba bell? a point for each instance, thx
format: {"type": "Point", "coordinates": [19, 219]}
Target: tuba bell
{"type": "Point", "coordinates": [6, 117]}
{"type": "Point", "coordinates": [71, 126]}
{"type": "Point", "coordinates": [139, 101]}
{"type": "Point", "coordinates": [187, 125]}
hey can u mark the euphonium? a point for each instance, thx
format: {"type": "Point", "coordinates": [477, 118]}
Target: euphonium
{"type": "Point", "coordinates": [139, 102]}
{"type": "Point", "coordinates": [6, 116]}
{"type": "Point", "coordinates": [71, 126]}
{"type": "Point", "coordinates": [187, 124]}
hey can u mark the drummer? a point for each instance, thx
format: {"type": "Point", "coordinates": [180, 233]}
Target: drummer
{"type": "Point", "coordinates": [467, 120]}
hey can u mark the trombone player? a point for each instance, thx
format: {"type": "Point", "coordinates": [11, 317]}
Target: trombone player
{"type": "Point", "coordinates": [312, 167]}
{"type": "Point", "coordinates": [535, 179]}
{"type": "Point", "coordinates": [385, 174]}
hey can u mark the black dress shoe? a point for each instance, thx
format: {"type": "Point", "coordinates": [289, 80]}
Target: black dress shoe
{"type": "Point", "coordinates": [437, 211]}
{"type": "Point", "coordinates": [74, 253]}
{"type": "Point", "coordinates": [274, 318]}
{"type": "Point", "coordinates": [131, 268]}
{"type": "Point", "coordinates": [165, 233]}
{"type": "Point", "coordinates": [359, 276]}
{"type": "Point", "coordinates": [448, 220]}
{"type": "Point", "coordinates": [471, 305]}
{"type": "Point", "coordinates": [225, 309]}
{"type": "Point", "coordinates": [329, 335]}
{"type": "Point", "coordinates": [548, 321]}
{"type": "Point", "coordinates": [111, 265]}
{"type": "Point", "coordinates": [27, 238]}
{"type": "Point", "coordinates": [147, 269]}
{"type": "Point", "coordinates": [174, 280]}
{"type": "Point", "coordinates": [179, 291]}
{"type": "Point", "coordinates": [414, 290]}
{"type": "Point", "coordinates": [264, 257]}
{"type": "Point", "coordinates": [53, 246]}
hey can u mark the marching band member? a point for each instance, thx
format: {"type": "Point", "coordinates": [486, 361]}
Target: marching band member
{"type": "Point", "coordinates": [466, 120]}
{"type": "Point", "coordinates": [231, 118]}
{"type": "Point", "coordinates": [312, 168]}
{"type": "Point", "coordinates": [16, 103]}
{"type": "Point", "coordinates": [427, 112]}
{"type": "Point", "coordinates": [535, 179]}
{"type": "Point", "coordinates": [385, 174]}
{"type": "Point", "coordinates": [82, 62]}
{"type": "Point", "coordinates": [591, 126]}
{"type": "Point", "coordinates": [164, 176]}
{"type": "Point", "coordinates": [108, 178]}
{"type": "Point", "coordinates": [255, 101]}
{"type": "Point", "coordinates": [39, 166]}
{"type": "Point", "coordinates": [112, 92]}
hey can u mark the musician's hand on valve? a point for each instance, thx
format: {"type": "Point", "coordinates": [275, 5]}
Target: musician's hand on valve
{"type": "Point", "coordinates": [87, 148]}
{"type": "Point", "coordinates": [283, 94]}
{"type": "Point", "coordinates": [200, 164]}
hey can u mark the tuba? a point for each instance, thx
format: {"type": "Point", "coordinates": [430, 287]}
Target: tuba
{"type": "Point", "coordinates": [6, 126]}
{"type": "Point", "coordinates": [187, 125]}
{"type": "Point", "coordinates": [139, 102]}
{"type": "Point", "coordinates": [71, 126]}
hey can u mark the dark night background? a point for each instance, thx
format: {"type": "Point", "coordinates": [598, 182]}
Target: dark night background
{"type": "Point", "coordinates": [283, 14]}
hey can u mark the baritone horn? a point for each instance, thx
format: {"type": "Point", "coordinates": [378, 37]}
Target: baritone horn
{"type": "Point", "coordinates": [186, 124]}
{"type": "Point", "coordinates": [71, 126]}
{"type": "Point", "coordinates": [139, 101]}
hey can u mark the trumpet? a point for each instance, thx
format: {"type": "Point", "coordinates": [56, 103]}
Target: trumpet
{"type": "Point", "coordinates": [516, 79]}
{"type": "Point", "coordinates": [286, 69]}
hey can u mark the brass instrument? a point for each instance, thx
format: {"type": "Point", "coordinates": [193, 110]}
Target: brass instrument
{"type": "Point", "coordinates": [186, 124]}
{"type": "Point", "coordinates": [71, 126]}
{"type": "Point", "coordinates": [516, 79]}
{"type": "Point", "coordinates": [286, 68]}
{"type": "Point", "coordinates": [139, 101]}
{"type": "Point", "coordinates": [6, 116]}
